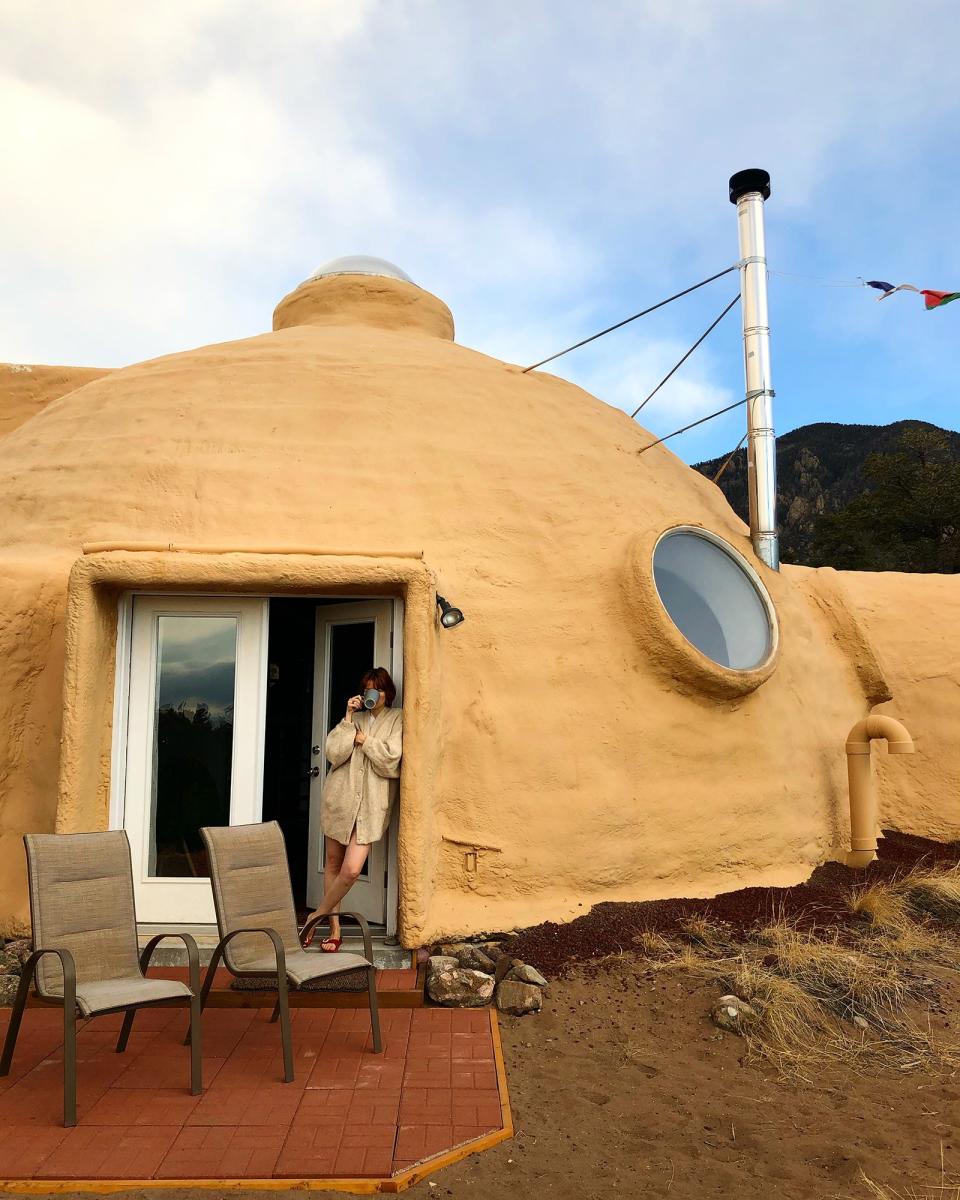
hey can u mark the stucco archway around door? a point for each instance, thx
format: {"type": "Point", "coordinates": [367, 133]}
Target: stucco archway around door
{"type": "Point", "coordinates": [103, 576]}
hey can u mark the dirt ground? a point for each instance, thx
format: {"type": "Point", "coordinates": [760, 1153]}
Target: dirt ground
{"type": "Point", "coordinates": [623, 1086]}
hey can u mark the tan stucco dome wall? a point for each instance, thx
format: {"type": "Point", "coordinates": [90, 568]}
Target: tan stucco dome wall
{"type": "Point", "coordinates": [583, 760]}
{"type": "Point", "coordinates": [26, 389]}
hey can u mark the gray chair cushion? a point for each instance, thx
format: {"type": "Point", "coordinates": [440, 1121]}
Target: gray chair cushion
{"type": "Point", "coordinates": [99, 996]}
{"type": "Point", "coordinates": [304, 965]}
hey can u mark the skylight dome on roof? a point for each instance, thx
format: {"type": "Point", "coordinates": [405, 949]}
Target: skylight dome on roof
{"type": "Point", "coordinates": [360, 264]}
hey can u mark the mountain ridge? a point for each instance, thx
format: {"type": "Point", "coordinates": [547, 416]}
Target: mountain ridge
{"type": "Point", "coordinates": [821, 472]}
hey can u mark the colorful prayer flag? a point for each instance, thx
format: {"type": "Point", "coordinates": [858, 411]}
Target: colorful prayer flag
{"type": "Point", "coordinates": [888, 289]}
{"type": "Point", "coordinates": [932, 299]}
{"type": "Point", "coordinates": [938, 299]}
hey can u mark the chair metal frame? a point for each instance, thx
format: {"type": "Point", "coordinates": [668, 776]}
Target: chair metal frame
{"type": "Point", "coordinates": [71, 1015]}
{"type": "Point", "coordinates": [281, 1009]}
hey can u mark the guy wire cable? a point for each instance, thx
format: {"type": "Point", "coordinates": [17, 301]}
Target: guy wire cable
{"type": "Point", "coordinates": [676, 368]}
{"type": "Point", "coordinates": [730, 457]}
{"type": "Point", "coordinates": [627, 320]}
{"type": "Point", "coordinates": [694, 424]}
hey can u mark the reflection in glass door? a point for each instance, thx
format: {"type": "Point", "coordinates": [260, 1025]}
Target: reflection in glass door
{"type": "Point", "coordinates": [193, 739]}
{"type": "Point", "coordinates": [194, 742]}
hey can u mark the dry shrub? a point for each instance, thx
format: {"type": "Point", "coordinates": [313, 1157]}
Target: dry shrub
{"type": "Point", "coordinates": [845, 980]}
{"type": "Point", "coordinates": [713, 937]}
{"type": "Point", "coordinates": [792, 1031]}
{"type": "Point", "coordinates": [912, 942]}
{"type": "Point", "coordinates": [800, 984]}
{"type": "Point", "coordinates": [653, 945]}
{"type": "Point", "coordinates": [895, 930]}
{"type": "Point", "coordinates": [934, 893]}
{"type": "Point", "coordinates": [683, 958]}
{"type": "Point", "coordinates": [883, 905]}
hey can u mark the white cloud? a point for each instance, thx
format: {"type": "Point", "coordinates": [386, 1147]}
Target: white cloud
{"type": "Point", "coordinates": [626, 379]}
{"type": "Point", "coordinates": [172, 170]}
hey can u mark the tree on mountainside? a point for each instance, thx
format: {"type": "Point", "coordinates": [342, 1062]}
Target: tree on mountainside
{"type": "Point", "coordinates": [908, 519]}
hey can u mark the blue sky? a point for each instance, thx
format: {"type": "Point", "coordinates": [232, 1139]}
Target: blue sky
{"type": "Point", "coordinates": [170, 171]}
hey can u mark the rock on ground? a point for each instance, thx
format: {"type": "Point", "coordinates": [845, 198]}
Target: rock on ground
{"type": "Point", "coordinates": [733, 1014]}
{"type": "Point", "coordinates": [20, 948]}
{"type": "Point", "coordinates": [9, 963]}
{"type": "Point", "coordinates": [456, 987]}
{"type": "Point", "coordinates": [505, 964]}
{"type": "Point", "coordinates": [441, 962]}
{"type": "Point", "coordinates": [8, 989]}
{"type": "Point", "coordinates": [519, 998]}
{"type": "Point", "coordinates": [524, 973]}
{"type": "Point", "coordinates": [473, 958]}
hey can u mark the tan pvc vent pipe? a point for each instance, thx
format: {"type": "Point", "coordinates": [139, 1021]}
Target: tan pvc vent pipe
{"type": "Point", "coordinates": [863, 798]}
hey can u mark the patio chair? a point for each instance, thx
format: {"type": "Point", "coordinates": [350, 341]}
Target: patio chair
{"type": "Point", "coordinates": [258, 924]}
{"type": "Point", "coordinates": [85, 947]}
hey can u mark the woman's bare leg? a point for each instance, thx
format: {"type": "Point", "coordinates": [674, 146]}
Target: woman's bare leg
{"type": "Point", "coordinates": [332, 862]}
{"type": "Point", "coordinates": [354, 856]}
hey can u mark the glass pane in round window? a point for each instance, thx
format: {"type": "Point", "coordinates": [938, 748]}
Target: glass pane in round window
{"type": "Point", "coordinates": [712, 600]}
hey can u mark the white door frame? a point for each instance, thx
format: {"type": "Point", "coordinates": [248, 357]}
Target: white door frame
{"type": "Point", "coordinates": [181, 900]}
{"type": "Point", "coordinates": [121, 722]}
{"type": "Point", "coordinates": [368, 894]}
{"type": "Point", "coordinates": [393, 863]}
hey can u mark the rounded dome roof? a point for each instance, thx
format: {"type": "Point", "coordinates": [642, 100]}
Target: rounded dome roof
{"type": "Point", "coordinates": [360, 264]}
{"type": "Point", "coordinates": [358, 420]}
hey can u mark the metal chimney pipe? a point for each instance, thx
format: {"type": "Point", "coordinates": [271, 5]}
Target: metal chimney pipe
{"type": "Point", "coordinates": [748, 190]}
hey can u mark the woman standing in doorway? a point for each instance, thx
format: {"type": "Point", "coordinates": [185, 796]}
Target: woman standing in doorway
{"type": "Point", "coordinates": [364, 753]}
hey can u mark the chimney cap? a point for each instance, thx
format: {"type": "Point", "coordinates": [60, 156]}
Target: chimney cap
{"type": "Point", "coordinates": [753, 179]}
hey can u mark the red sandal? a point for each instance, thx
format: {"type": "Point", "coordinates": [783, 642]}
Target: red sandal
{"type": "Point", "coordinates": [308, 940]}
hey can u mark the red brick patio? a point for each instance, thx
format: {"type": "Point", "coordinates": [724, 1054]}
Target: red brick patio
{"type": "Point", "coordinates": [350, 1114]}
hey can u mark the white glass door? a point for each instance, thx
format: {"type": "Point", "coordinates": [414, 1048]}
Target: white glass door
{"type": "Point", "coordinates": [194, 752]}
{"type": "Point", "coordinates": [351, 638]}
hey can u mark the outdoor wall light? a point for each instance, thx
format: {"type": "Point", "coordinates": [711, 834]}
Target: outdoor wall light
{"type": "Point", "coordinates": [449, 616]}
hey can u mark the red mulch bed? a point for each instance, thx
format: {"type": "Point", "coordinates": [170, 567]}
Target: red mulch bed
{"type": "Point", "coordinates": [610, 928]}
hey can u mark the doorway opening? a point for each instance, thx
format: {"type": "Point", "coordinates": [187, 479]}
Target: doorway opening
{"type": "Point", "coordinates": [318, 650]}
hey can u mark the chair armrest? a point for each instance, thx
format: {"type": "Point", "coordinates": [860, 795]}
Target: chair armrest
{"type": "Point", "coordinates": [271, 934]}
{"type": "Point", "coordinates": [69, 972]}
{"type": "Point", "coordinates": [193, 956]}
{"type": "Point", "coordinates": [364, 933]}
{"type": "Point", "coordinates": [361, 921]}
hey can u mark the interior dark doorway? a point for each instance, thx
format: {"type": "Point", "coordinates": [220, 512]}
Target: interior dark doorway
{"type": "Point", "coordinates": [291, 735]}
{"type": "Point", "coordinates": [289, 721]}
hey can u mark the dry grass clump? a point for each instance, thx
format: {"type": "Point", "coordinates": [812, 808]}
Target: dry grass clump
{"type": "Point", "coordinates": [840, 995]}
{"type": "Point", "coordinates": [792, 1031]}
{"type": "Point", "coordinates": [654, 945]}
{"type": "Point", "coordinates": [896, 929]}
{"type": "Point", "coordinates": [846, 981]}
{"type": "Point", "coordinates": [816, 999]}
{"type": "Point", "coordinates": [883, 905]}
{"type": "Point", "coordinates": [712, 937]}
{"type": "Point", "coordinates": [913, 916]}
{"type": "Point", "coordinates": [933, 893]}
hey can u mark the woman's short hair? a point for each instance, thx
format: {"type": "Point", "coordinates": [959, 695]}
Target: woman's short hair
{"type": "Point", "coordinates": [379, 678]}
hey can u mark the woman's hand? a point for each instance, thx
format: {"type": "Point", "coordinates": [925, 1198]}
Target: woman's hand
{"type": "Point", "coordinates": [359, 738]}
{"type": "Point", "coordinates": [354, 704]}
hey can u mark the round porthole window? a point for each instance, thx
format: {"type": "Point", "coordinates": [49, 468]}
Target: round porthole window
{"type": "Point", "coordinates": [715, 598]}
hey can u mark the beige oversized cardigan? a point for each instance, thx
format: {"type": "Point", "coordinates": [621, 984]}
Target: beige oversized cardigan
{"type": "Point", "coordinates": [362, 783]}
